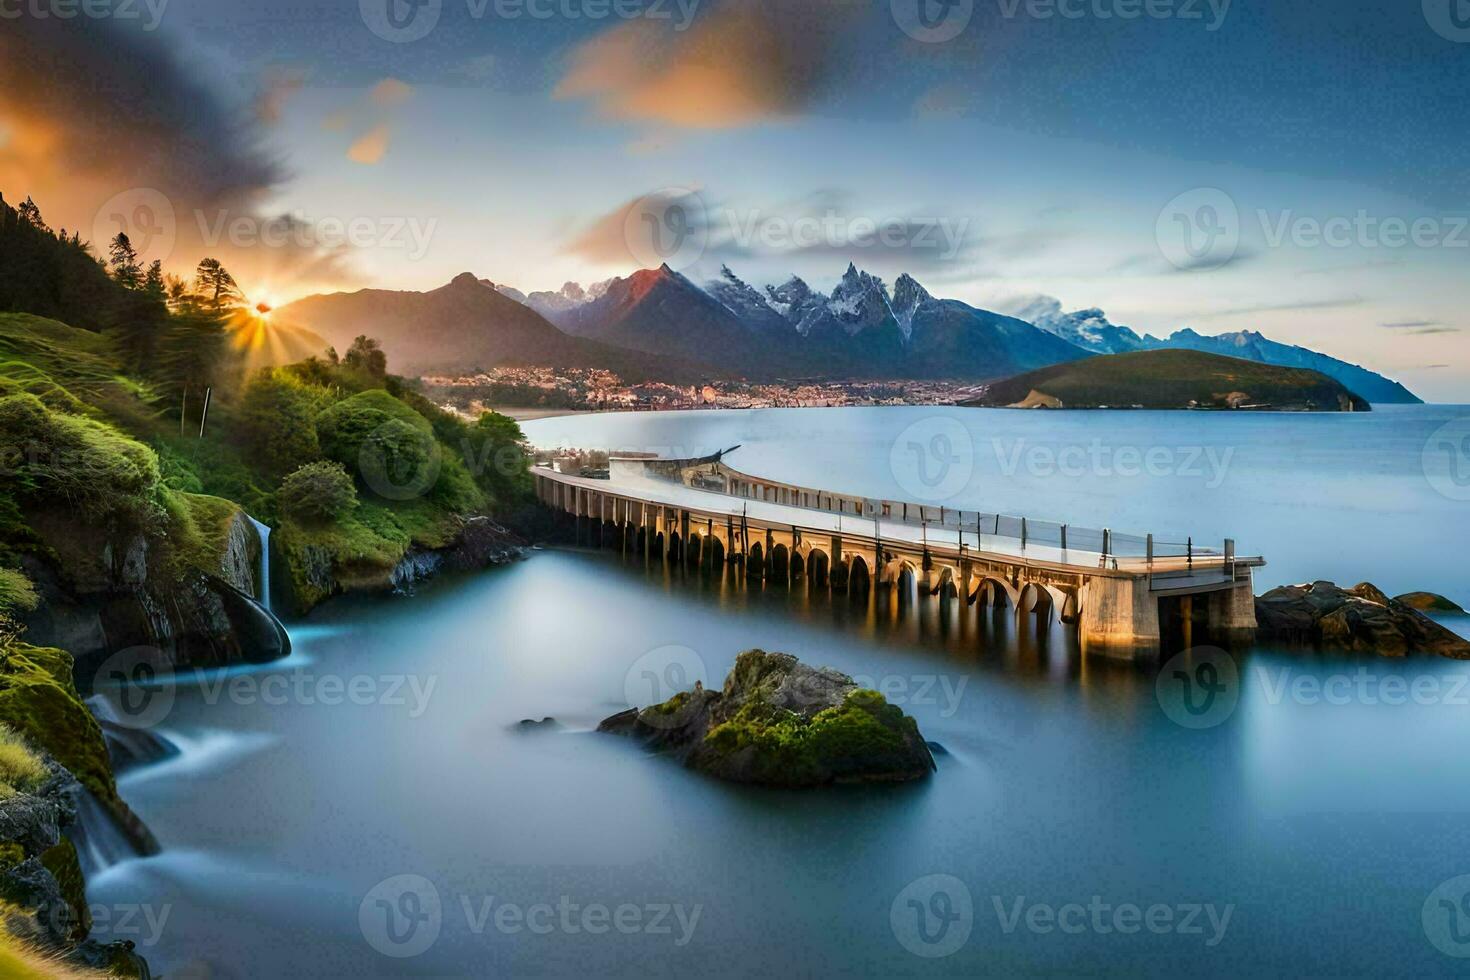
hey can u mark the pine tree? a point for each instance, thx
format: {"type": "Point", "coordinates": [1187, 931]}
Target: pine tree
{"type": "Point", "coordinates": [153, 280]}
{"type": "Point", "coordinates": [216, 284]}
{"type": "Point", "coordinates": [124, 258]}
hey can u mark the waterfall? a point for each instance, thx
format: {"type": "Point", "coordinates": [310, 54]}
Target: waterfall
{"type": "Point", "coordinates": [100, 840]}
{"type": "Point", "coordinates": [264, 531]}
{"type": "Point", "coordinates": [128, 746]}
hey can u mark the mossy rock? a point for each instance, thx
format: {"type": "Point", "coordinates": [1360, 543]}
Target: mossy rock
{"type": "Point", "coordinates": [39, 701]}
{"type": "Point", "coordinates": [1430, 602]}
{"type": "Point", "coordinates": [779, 722]}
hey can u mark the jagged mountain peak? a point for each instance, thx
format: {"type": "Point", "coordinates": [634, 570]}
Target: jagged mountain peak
{"type": "Point", "coordinates": [908, 296]}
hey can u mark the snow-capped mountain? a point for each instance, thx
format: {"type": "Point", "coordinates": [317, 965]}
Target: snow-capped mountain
{"type": "Point", "coordinates": [1088, 329]}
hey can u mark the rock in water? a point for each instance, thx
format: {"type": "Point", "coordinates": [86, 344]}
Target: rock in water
{"type": "Point", "coordinates": [1430, 602]}
{"type": "Point", "coordinates": [779, 722]}
{"type": "Point", "coordinates": [1361, 619]}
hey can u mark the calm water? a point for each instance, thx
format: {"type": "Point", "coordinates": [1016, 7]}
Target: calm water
{"type": "Point", "coordinates": [1323, 823]}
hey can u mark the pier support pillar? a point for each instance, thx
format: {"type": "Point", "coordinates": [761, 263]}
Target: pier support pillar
{"type": "Point", "coordinates": [1120, 619]}
{"type": "Point", "coordinates": [1230, 616]}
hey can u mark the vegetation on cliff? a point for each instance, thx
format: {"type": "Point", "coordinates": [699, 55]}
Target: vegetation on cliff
{"type": "Point", "coordinates": [1171, 379]}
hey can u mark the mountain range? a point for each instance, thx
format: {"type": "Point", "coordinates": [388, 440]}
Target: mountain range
{"type": "Point", "coordinates": [1091, 330]}
{"type": "Point", "coordinates": [659, 324]}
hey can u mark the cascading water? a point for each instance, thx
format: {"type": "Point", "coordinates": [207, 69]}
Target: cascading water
{"type": "Point", "coordinates": [99, 838]}
{"type": "Point", "coordinates": [127, 745]}
{"type": "Point", "coordinates": [265, 561]}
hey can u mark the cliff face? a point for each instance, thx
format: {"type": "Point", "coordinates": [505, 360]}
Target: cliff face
{"type": "Point", "coordinates": [42, 886]}
{"type": "Point", "coordinates": [112, 589]}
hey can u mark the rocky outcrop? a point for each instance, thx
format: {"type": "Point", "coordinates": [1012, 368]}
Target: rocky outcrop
{"type": "Point", "coordinates": [193, 620]}
{"type": "Point", "coordinates": [1361, 619]}
{"type": "Point", "coordinates": [240, 563]}
{"type": "Point", "coordinates": [43, 897]}
{"type": "Point", "coordinates": [779, 722]}
{"type": "Point", "coordinates": [316, 575]}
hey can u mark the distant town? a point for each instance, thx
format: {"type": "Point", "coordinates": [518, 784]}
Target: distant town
{"type": "Point", "coordinates": [597, 389]}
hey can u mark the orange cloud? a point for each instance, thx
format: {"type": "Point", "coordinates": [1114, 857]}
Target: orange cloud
{"type": "Point", "coordinates": [746, 62]}
{"type": "Point", "coordinates": [369, 149]}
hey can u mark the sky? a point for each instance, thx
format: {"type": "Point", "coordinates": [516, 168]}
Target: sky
{"type": "Point", "coordinates": [1297, 169]}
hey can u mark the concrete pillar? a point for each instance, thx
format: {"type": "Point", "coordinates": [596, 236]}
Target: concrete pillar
{"type": "Point", "coordinates": [1231, 615]}
{"type": "Point", "coordinates": [1120, 618]}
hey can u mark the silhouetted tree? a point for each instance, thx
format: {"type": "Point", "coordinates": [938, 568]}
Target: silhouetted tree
{"type": "Point", "coordinates": [366, 355]}
{"type": "Point", "coordinates": [216, 285]}
{"type": "Point", "coordinates": [124, 259]}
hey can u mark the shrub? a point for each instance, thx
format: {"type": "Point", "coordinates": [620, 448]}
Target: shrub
{"type": "Point", "coordinates": [317, 492]}
{"type": "Point", "coordinates": [21, 770]}
{"type": "Point", "coordinates": [277, 422]}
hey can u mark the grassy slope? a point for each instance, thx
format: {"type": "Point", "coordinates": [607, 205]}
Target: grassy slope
{"type": "Point", "coordinates": [1170, 379]}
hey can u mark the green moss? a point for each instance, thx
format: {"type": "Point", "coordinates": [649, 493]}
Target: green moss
{"type": "Point", "coordinates": [66, 868]}
{"type": "Point", "coordinates": [200, 529]}
{"type": "Point", "coordinates": [39, 701]}
{"type": "Point", "coordinates": [16, 591]}
{"type": "Point", "coordinates": [863, 734]}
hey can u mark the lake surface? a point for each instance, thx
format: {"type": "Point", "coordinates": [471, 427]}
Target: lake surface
{"type": "Point", "coordinates": [372, 808]}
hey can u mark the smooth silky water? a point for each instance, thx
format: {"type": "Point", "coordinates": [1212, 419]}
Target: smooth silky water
{"type": "Point", "coordinates": [1324, 822]}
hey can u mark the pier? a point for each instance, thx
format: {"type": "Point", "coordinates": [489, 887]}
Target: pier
{"type": "Point", "coordinates": [1120, 590]}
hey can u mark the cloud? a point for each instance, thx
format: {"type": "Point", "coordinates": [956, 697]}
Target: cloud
{"type": "Point", "coordinates": [102, 113]}
{"type": "Point", "coordinates": [1417, 328]}
{"type": "Point", "coordinates": [370, 147]}
{"type": "Point", "coordinates": [826, 226]}
{"type": "Point", "coordinates": [741, 63]}
{"type": "Point", "coordinates": [390, 93]}
{"type": "Point", "coordinates": [1316, 304]}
